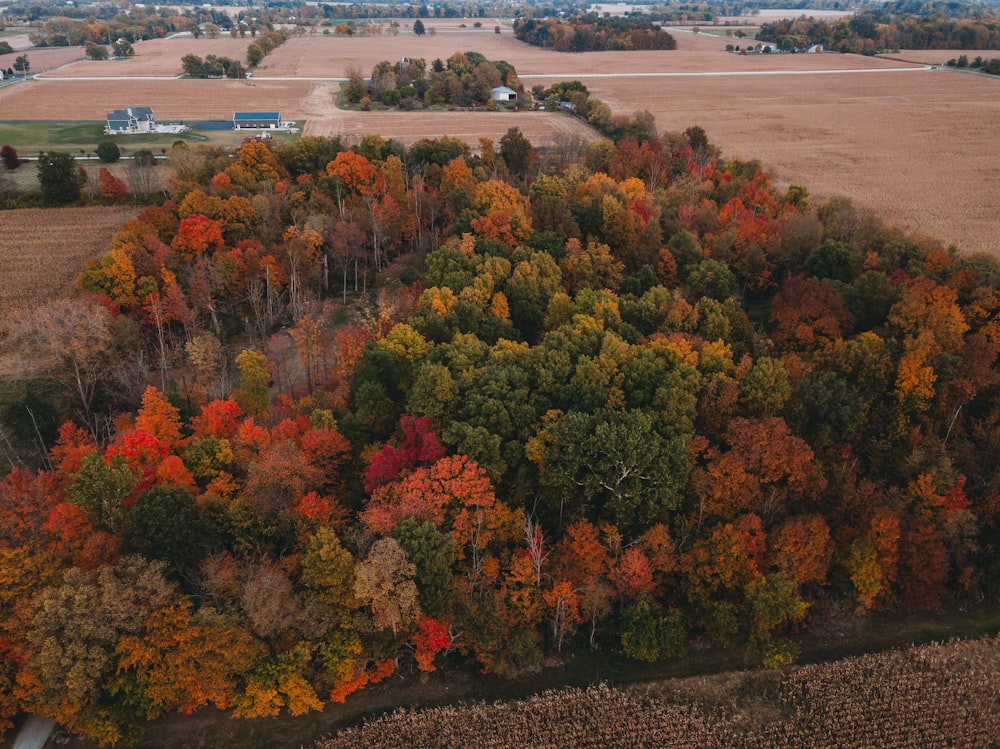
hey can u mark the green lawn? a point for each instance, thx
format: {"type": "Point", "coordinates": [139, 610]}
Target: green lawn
{"type": "Point", "coordinates": [81, 138]}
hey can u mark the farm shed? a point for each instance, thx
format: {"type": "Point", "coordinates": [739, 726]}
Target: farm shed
{"type": "Point", "coordinates": [256, 120]}
{"type": "Point", "coordinates": [502, 93]}
{"type": "Point", "coordinates": [131, 120]}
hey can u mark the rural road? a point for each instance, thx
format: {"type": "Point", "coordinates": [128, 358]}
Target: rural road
{"type": "Point", "coordinates": [698, 74]}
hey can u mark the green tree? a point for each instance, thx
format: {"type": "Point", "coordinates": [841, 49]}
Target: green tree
{"type": "Point", "coordinates": [328, 572]}
{"type": "Point", "coordinates": [651, 633]}
{"type": "Point", "coordinates": [96, 51]}
{"type": "Point", "coordinates": [252, 393]}
{"type": "Point", "coordinates": [255, 54]}
{"type": "Point", "coordinates": [122, 48]}
{"type": "Point", "coordinates": [418, 27]}
{"type": "Point", "coordinates": [100, 489]}
{"type": "Point", "coordinates": [22, 64]}
{"type": "Point", "coordinates": [432, 554]}
{"type": "Point", "coordinates": [614, 465]}
{"type": "Point", "coordinates": [191, 64]}
{"type": "Point", "coordinates": [516, 151]}
{"type": "Point", "coordinates": [108, 151]}
{"type": "Point", "coordinates": [166, 524]}
{"type": "Point", "coordinates": [58, 177]}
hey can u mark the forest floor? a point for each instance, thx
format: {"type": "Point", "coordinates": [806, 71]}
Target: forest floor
{"type": "Point", "coordinates": [839, 636]}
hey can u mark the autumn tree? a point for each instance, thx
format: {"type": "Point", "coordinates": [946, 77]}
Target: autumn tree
{"type": "Point", "coordinates": [383, 582]}
{"type": "Point", "coordinates": [75, 631]}
{"type": "Point", "coordinates": [110, 187]}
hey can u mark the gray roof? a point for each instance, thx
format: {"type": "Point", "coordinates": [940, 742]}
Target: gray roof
{"type": "Point", "coordinates": [137, 114]}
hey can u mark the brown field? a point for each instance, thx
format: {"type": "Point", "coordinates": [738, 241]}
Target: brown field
{"type": "Point", "coordinates": [156, 58]}
{"type": "Point", "coordinates": [43, 250]}
{"type": "Point", "coordinates": [320, 56]}
{"type": "Point", "coordinates": [46, 99]}
{"type": "Point", "coordinates": [929, 696]}
{"type": "Point", "coordinates": [940, 56]}
{"type": "Point", "coordinates": [41, 60]}
{"type": "Point", "coordinates": [919, 148]}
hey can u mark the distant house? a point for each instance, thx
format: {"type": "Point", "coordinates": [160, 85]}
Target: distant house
{"type": "Point", "coordinates": [502, 93]}
{"type": "Point", "coordinates": [256, 120]}
{"type": "Point", "coordinates": [815, 49]}
{"type": "Point", "coordinates": [130, 120]}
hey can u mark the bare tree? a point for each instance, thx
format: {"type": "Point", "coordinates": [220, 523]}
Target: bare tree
{"type": "Point", "coordinates": [67, 341]}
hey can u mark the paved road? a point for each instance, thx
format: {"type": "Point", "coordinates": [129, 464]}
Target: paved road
{"type": "Point", "coordinates": [34, 733]}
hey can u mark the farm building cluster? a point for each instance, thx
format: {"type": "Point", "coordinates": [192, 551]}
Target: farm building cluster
{"type": "Point", "coordinates": [136, 120]}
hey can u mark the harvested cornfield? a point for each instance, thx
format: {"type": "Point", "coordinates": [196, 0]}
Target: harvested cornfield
{"type": "Point", "coordinates": [929, 696]}
{"type": "Point", "coordinates": [43, 250]}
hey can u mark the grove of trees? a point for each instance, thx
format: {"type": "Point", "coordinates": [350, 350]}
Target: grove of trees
{"type": "Point", "coordinates": [589, 32]}
{"type": "Point", "coordinates": [465, 79]}
{"type": "Point", "coordinates": [627, 396]}
{"type": "Point", "coordinates": [878, 30]}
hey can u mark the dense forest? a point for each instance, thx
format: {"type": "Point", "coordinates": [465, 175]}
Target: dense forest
{"type": "Point", "coordinates": [331, 414]}
{"type": "Point", "coordinates": [877, 31]}
{"type": "Point", "coordinates": [591, 33]}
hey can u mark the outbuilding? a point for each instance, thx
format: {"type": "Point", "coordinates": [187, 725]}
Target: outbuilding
{"type": "Point", "coordinates": [502, 93]}
{"type": "Point", "coordinates": [256, 120]}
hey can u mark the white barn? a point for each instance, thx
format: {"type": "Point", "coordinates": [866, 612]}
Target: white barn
{"type": "Point", "coordinates": [502, 93]}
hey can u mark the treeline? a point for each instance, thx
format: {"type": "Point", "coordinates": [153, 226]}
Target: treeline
{"type": "Point", "coordinates": [465, 79]}
{"type": "Point", "coordinates": [637, 399]}
{"type": "Point", "coordinates": [877, 31]}
{"type": "Point", "coordinates": [139, 23]}
{"type": "Point", "coordinates": [217, 66]}
{"type": "Point", "coordinates": [992, 66]}
{"type": "Point", "coordinates": [590, 33]}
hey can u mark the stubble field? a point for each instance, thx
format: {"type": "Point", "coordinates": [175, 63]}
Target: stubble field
{"type": "Point", "coordinates": [917, 146]}
{"type": "Point", "coordinates": [44, 250]}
